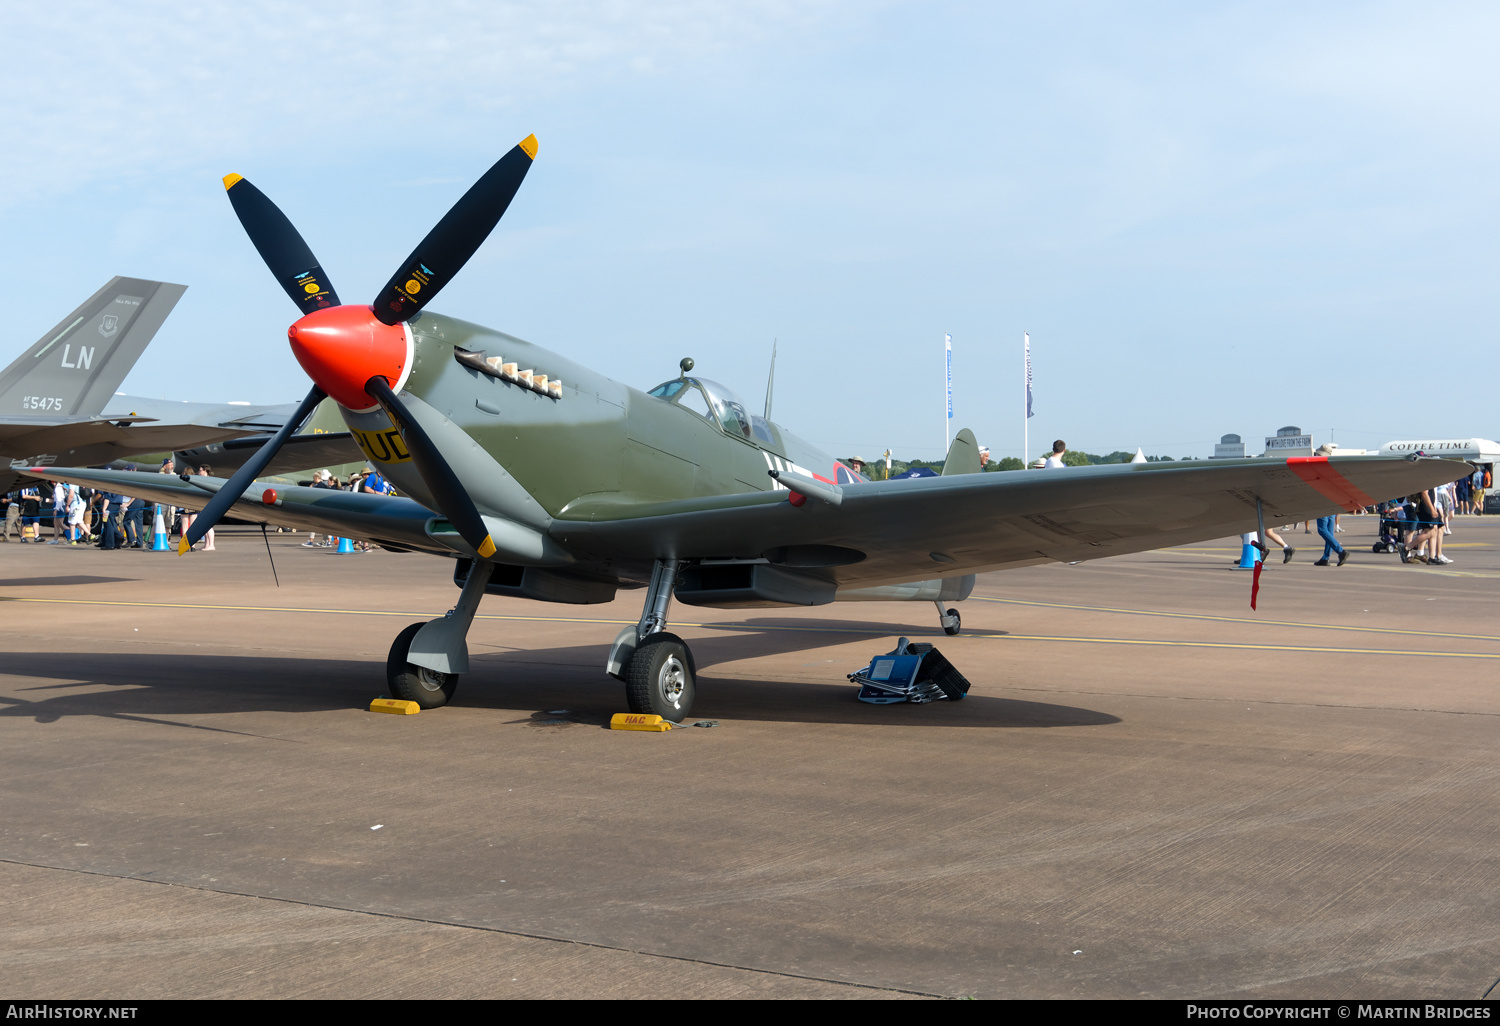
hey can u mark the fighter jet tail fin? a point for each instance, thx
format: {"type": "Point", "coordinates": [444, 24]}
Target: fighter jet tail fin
{"type": "Point", "coordinates": [963, 454]}
{"type": "Point", "coordinates": [74, 369]}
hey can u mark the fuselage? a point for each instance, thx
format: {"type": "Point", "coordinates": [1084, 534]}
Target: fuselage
{"type": "Point", "coordinates": [593, 449]}
{"type": "Point", "coordinates": [131, 426]}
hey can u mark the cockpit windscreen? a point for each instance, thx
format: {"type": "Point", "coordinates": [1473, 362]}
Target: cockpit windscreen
{"type": "Point", "coordinates": [727, 407]}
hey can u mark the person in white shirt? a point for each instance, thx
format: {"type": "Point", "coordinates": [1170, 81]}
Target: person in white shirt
{"type": "Point", "coordinates": [59, 513]}
{"type": "Point", "coordinates": [1446, 502]}
{"type": "Point", "coordinates": [1056, 459]}
{"type": "Point", "coordinates": [76, 507]}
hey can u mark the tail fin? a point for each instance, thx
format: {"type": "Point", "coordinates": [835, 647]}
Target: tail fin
{"type": "Point", "coordinates": [325, 419]}
{"type": "Point", "coordinates": [963, 454]}
{"type": "Point", "coordinates": [74, 369]}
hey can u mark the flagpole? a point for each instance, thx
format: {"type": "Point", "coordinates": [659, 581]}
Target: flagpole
{"type": "Point", "coordinates": [1026, 403]}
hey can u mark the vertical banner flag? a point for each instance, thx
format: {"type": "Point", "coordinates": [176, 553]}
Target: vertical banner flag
{"type": "Point", "coordinates": [1028, 375]}
{"type": "Point", "coordinates": [948, 358]}
{"type": "Point", "coordinates": [1026, 420]}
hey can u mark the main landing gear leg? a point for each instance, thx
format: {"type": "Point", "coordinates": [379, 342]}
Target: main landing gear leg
{"type": "Point", "coordinates": [427, 658]}
{"type": "Point", "coordinates": [949, 619]}
{"type": "Point", "coordinates": [657, 667]}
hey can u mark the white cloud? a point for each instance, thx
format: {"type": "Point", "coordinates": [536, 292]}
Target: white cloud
{"type": "Point", "coordinates": [110, 90]}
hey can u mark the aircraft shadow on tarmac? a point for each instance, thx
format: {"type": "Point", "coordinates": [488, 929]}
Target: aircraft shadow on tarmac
{"type": "Point", "coordinates": [860, 628]}
{"type": "Point", "coordinates": [150, 686]}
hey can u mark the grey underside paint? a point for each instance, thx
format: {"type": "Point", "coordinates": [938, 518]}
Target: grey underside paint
{"type": "Point", "coordinates": [942, 589]}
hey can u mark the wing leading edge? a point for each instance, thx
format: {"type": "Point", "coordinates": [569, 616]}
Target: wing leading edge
{"type": "Point", "coordinates": [906, 530]}
{"type": "Point", "coordinates": [393, 521]}
{"type": "Point", "coordinates": [972, 523]}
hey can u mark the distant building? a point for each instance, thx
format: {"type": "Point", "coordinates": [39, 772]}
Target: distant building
{"type": "Point", "coordinates": [1229, 448]}
{"type": "Point", "coordinates": [1476, 450]}
{"type": "Point", "coordinates": [1289, 441]}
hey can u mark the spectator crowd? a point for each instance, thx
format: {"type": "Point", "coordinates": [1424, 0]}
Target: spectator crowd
{"type": "Point", "coordinates": [66, 514]}
{"type": "Point", "coordinates": [1415, 526]}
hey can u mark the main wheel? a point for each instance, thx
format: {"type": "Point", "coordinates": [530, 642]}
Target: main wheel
{"type": "Point", "coordinates": [428, 688]}
{"type": "Point", "coordinates": [956, 625]}
{"type": "Point", "coordinates": [660, 677]}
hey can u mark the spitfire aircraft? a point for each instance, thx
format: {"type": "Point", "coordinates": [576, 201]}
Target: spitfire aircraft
{"type": "Point", "coordinates": [545, 480]}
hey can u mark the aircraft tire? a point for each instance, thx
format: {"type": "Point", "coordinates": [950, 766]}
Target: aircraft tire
{"type": "Point", "coordinates": [428, 688]}
{"type": "Point", "coordinates": [661, 677]}
{"type": "Point", "coordinates": [957, 624]}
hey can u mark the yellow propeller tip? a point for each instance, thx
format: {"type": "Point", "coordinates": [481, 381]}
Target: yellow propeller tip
{"type": "Point", "coordinates": [230, 181]}
{"type": "Point", "coordinates": [488, 548]}
{"type": "Point", "coordinates": [529, 145]}
{"type": "Point", "coordinates": [183, 546]}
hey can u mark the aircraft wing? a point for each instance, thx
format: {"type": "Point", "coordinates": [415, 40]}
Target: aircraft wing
{"type": "Point", "coordinates": [907, 530]}
{"type": "Point", "coordinates": [391, 521]}
{"type": "Point", "coordinates": [300, 453]}
{"type": "Point", "coordinates": [943, 526]}
{"type": "Point", "coordinates": [23, 436]}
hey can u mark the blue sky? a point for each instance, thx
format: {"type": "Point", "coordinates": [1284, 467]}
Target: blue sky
{"type": "Point", "coordinates": [1211, 218]}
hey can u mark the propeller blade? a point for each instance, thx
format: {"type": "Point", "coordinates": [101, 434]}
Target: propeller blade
{"type": "Point", "coordinates": [455, 238]}
{"type": "Point", "coordinates": [227, 496]}
{"type": "Point", "coordinates": [280, 246]}
{"type": "Point", "coordinates": [452, 498]}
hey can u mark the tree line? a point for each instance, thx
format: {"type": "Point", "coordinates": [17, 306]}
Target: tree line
{"type": "Point", "coordinates": [1072, 458]}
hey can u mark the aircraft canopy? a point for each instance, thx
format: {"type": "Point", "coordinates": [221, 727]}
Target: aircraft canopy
{"type": "Point", "coordinates": [702, 395]}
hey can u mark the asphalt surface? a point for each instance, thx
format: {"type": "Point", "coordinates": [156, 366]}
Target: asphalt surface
{"type": "Point", "coordinates": [1151, 790]}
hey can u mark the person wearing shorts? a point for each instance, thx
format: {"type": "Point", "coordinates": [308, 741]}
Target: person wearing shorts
{"type": "Point", "coordinates": [76, 506]}
{"type": "Point", "coordinates": [1444, 496]}
{"type": "Point", "coordinates": [1287, 552]}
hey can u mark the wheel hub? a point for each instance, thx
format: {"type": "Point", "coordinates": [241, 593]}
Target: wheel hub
{"type": "Point", "coordinates": [673, 679]}
{"type": "Point", "coordinates": [431, 680]}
